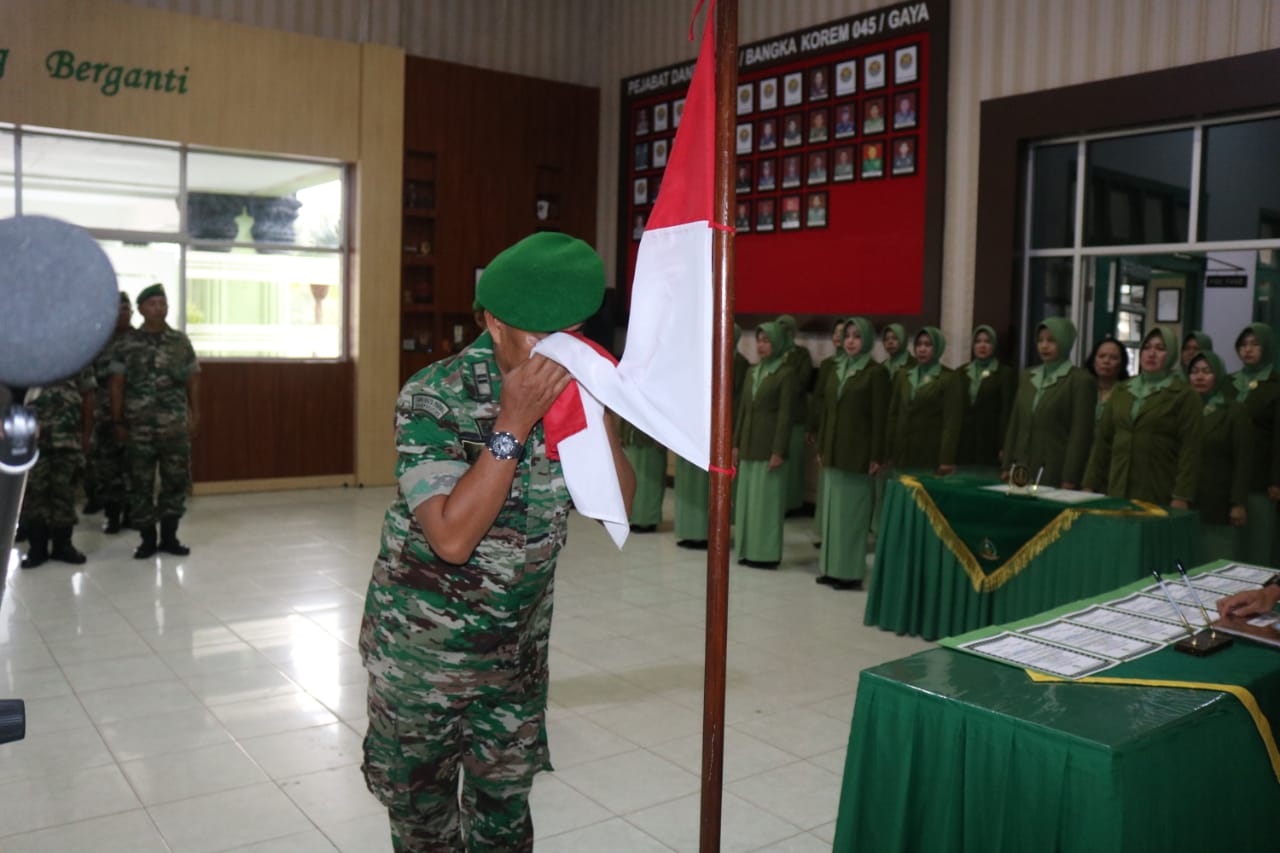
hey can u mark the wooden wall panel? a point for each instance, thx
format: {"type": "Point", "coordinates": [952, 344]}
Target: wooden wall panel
{"type": "Point", "coordinates": [271, 420]}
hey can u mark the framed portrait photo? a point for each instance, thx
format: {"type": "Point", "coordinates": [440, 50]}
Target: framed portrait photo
{"type": "Point", "coordinates": [846, 121]}
{"type": "Point", "coordinates": [904, 156]}
{"type": "Point", "coordinates": [793, 88]}
{"type": "Point", "coordinates": [746, 98]}
{"type": "Point", "coordinates": [872, 165]}
{"type": "Point", "coordinates": [742, 217]}
{"type": "Point", "coordinates": [818, 124]}
{"type": "Point", "coordinates": [846, 77]}
{"type": "Point", "coordinates": [904, 109]}
{"type": "Point", "coordinates": [743, 138]}
{"type": "Point", "coordinates": [640, 122]}
{"type": "Point", "coordinates": [873, 72]}
{"type": "Point", "coordinates": [873, 115]}
{"type": "Point", "coordinates": [819, 83]}
{"type": "Point", "coordinates": [766, 175]}
{"type": "Point", "coordinates": [742, 177]}
{"type": "Point", "coordinates": [660, 147]}
{"type": "Point", "coordinates": [792, 130]}
{"type": "Point", "coordinates": [906, 64]}
{"type": "Point", "coordinates": [817, 172]}
{"type": "Point", "coordinates": [815, 210]}
{"type": "Point", "coordinates": [768, 94]}
{"type": "Point", "coordinates": [677, 110]}
{"type": "Point", "coordinates": [766, 134]}
{"type": "Point", "coordinates": [655, 187]}
{"type": "Point", "coordinates": [790, 212]}
{"type": "Point", "coordinates": [638, 220]}
{"type": "Point", "coordinates": [842, 163]}
{"type": "Point", "coordinates": [790, 171]}
{"type": "Point", "coordinates": [641, 159]}
{"type": "Point", "coordinates": [764, 214]}
{"type": "Point", "coordinates": [640, 191]}
{"type": "Point", "coordinates": [661, 117]}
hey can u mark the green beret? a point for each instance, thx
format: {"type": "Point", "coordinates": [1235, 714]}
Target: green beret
{"type": "Point", "coordinates": [124, 298]}
{"type": "Point", "coordinates": [149, 291]}
{"type": "Point", "coordinates": [546, 282]}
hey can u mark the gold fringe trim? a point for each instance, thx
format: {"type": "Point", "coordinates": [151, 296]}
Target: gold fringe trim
{"type": "Point", "coordinates": [1260, 720]}
{"type": "Point", "coordinates": [983, 581]}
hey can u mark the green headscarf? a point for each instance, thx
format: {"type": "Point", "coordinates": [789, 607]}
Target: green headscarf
{"type": "Point", "coordinates": [1248, 377]}
{"type": "Point", "coordinates": [980, 369]}
{"type": "Point", "coordinates": [1147, 383]}
{"type": "Point", "coordinates": [777, 336]}
{"type": "Point", "coordinates": [1204, 343]}
{"type": "Point", "coordinates": [737, 334]}
{"type": "Point", "coordinates": [923, 372]}
{"type": "Point", "coordinates": [893, 362]}
{"type": "Point", "coordinates": [1216, 398]}
{"type": "Point", "coordinates": [791, 328]}
{"type": "Point", "coordinates": [1046, 374]}
{"type": "Point", "coordinates": [848, 366]}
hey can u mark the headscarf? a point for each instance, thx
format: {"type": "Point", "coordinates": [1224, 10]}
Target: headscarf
{"type": "Point", "coordinates": [980, 369]}
{"type": "Point", "coordinates": [893, 362]}
{"type": "Point", "coordinates": [790, 327]}
{"type": "Point", "coordinates": [850, 365]}
{"type": "Point", "coordinates": [1204, 343]}
{"type": "Point", "coordinates": [777, 336]}
{"type": "Point", "coordinates": [1247, 378]}
{"type": "Point", "coordinates": [1147, 383]}
{"type": "Point", "coordinates": [1217, 398]}
{"type": "Point", "coordinates": [737, 334]}
{"type": "Point", "coordinates": [924, 372]}
{"type": "Point", "coordinates": [1046, 374]}
{"type": "Point", "coordinates": [838, 331]}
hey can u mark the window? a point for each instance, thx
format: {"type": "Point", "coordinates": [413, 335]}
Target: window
{"type": "Point", "coordinates": [251, 250]}
{"type": "Point", "coordinates": [1053, 218]}
{"type": "Point", "coordinates": [1139, 189]}
{"type": "Point", "coordinates": [1240, 184]}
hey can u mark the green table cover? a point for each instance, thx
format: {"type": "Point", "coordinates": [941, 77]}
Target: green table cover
{"type": "Point", "coordinates": [920, 584]}
{"type": "Point", "coordinates": [951, 752]}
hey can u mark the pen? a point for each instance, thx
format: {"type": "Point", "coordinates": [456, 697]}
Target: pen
{"type": "Point", "coordinates": [1174, 604]}
{"type": "Point", "coordinates": [1194, 594]}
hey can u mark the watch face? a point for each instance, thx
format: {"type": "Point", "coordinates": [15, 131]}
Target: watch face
{"type": "Point", "coordinates": [504, 445]}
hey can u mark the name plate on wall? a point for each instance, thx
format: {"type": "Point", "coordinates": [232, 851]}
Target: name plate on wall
{"type": "Point", "coordinates": [839, 163]}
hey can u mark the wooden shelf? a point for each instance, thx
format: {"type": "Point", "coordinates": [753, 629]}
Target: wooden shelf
{"type": "Point", "coordinates": [417, 308]}
{"type": "Point", "coordinates": [413, 260]}
{"type": "Point", "coordinates": [420, 212]}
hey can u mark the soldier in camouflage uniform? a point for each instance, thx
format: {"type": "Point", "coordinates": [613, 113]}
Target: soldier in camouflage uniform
{"type": "Point", "coordinates": [458, 611]}
{"type": "Point", "coordinates": [154, 387]}
{"type": "Point", "coordinates": [105, 477]}
{"type": "Point", "coordinates": [64, 413]}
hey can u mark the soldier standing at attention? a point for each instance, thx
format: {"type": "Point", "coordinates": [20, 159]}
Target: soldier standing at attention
{"type": "Point", "coordinates": [155, 377]}
{"type": "Point", "coordinates": [104, 477]}
{"type": "Point", "coordinates": [458, 613]}
{"type": "Point", "coordinates": [64, 414]}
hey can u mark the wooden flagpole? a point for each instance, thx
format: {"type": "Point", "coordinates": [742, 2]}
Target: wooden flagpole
{"type": "Point", "coordinates": [722, 271]}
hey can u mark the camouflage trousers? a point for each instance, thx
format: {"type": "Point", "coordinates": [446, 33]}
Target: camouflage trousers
{"type": "Point", "coordinates": [52, 486]}
{"type": "Point", "coordinates": [421, 744]}
{"type": "Point", "coordinates": [105, 476]}
{"type": "Point", "coordinates": [171, 457]}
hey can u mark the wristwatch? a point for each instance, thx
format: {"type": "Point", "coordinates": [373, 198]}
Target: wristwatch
{"type": "Point", "coordinates": [505, 446]}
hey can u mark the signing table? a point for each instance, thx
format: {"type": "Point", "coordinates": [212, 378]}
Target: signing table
{"type": "Point", "coordinates": [953, 554]}
{"type": "Point", "coordinates": [953, 752]}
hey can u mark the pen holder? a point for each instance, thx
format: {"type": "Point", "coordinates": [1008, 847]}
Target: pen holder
{"type": "Point", "coordinates": [1203, 643]}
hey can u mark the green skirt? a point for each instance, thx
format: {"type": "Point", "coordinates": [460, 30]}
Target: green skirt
{"type": "Point", "coordinates": [794, 466]}
{"type": "Point", "coordinates": [817, 504]}
{"type": "Point", "coordinates": [847, 499]}
{"type": "Point", "coordinates": [1259, 544]}
{"type": "Point", "coordinates": [758, 516]}
{"type": "Point", "coordinates": [693, 486]}
{"type": "Point", "coordinates": [650, 464]}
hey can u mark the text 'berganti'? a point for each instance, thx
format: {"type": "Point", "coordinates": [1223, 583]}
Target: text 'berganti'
{"type": "Point", "coordinates": [110, 78]}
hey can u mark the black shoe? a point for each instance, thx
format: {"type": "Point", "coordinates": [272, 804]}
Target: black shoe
{"type": "Point", "coordinates": [93, 506]}
{"type": "Point", "coordinates": [644, 528]}
{"type": "Point", "coordinates": [695, 544]}
{"type": "Point", "coordinates": [112, 524]}
{"type": "Point", "coordinates": [148, 546]}
{"type": "Point", "coordinates": [817, 544]}
{"type": "Point", "coordinates": [825, 580]}
{"type": "Point", "coordinates": [169, 538]}
{"type": "Point", "coordinates": [837, 584]}
{"type": "Point", "coordinates": [63, 551]}
{"type": "Point", "coordinates": [37, 546]}
{"type": "Point", "coordinates": [20, 535]}
{"type": "Point", "coordinates": [768, 565]}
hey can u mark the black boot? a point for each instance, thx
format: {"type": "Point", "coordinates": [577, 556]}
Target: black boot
{"type": "Point", "coordinates": [20, 535]}
{"type": "Point", "coordinates": [148, 546]}
{"type": "Point", "coordinates": [169, 537]}
{"type": "Point", "coordinates": [37, 545]}
{"type": "Point", "coordinates": [112, 524]}
{"type": "Point", "coordinates": [125, 521]}
{"type": "Point", "coordinates": [63, 551]}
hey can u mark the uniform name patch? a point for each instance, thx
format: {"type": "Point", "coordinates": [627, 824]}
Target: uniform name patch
{"type": "Point", "coordinates": [433, 406]}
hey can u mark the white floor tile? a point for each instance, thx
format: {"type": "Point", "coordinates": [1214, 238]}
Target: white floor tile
{"type": "Point", "coordinates": [270, 716]}
{"type": "Point", "coordinates": [801, 793]}
{"type": "Point", "coordinates": [203, 825]}
{"type": "Point", "coordinates": [127, 832]}
{"type": "Point", "coordinates": [305, 750]}
{"type": "Point", "coordinates": [179, 775]}
{"type": "Point", "coordinates": [630, 781]}
{"type": "Point", "coordinates": [558, 808]}
{"type": "Point", "coordinates": [66, 797]}
{"type": "Point", "coordinates": [616, 836]}
{"type": "Point", "coordinates": [743, 826]}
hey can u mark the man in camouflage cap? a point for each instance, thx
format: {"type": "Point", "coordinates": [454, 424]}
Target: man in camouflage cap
{"type": "Point", "coordinates": [154, 389]}
{"type": "Point", "coordinates": [64, 413]}
{"type": "Point", "coordinates": [458, 612]}
{"type": "Point", "coordinates": [105, 475]}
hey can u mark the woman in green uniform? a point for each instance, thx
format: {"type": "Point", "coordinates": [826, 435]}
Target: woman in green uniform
{"type": "Point", "coordinates": [1257, 387]}
{"type": "Point", "coordinates": [850, 447]}
{"type": "Point", "coordinates": [816, 407]}
{"type": "Point", "coordinates": [1148, 442]}
{"type": "Point", "coordinates": [1226, 455]}
{"type": "Point", "coordinates": [1051, 426]}
{"type": "Point", "coordinates": [762, 437]}
{"type": "Point", "coordinates": [894, 340]}
{"type": "Point", "coordinates": [798, 360]}
{"type": "Point", "coordinates": [926, 405]}
{"type": "Point", "coordinates": [990, 389]}
{"type": "Point", "coordinates": [1109, 364]}
{"type": "Point", "coordinates": [1196, 342]}
{"type": "Point", "coordinates": [649, 459]}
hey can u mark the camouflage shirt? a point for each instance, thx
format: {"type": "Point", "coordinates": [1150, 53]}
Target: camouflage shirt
{"type": "Point", "coordinates": [493, 610]}
{"type": "Point", "coordinates": [156, 368]}
{"type": "Point", "coordinates": [59, 413]}
{"type": "Point", "coordinates": [102, 373]}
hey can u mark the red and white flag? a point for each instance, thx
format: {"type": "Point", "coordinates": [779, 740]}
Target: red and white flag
{"type": "Point", "coordinates": [663, 384]}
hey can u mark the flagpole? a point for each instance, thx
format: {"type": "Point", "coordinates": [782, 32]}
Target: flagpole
{"type": "Point", "coordinates": [722, 271]}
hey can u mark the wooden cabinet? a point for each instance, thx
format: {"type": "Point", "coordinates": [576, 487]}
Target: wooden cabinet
{"type": "Point", "coordinates": [419, 327]}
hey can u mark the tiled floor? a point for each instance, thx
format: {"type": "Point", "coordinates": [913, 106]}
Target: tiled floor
{"type": "Point", "coordinates": [216, 702]}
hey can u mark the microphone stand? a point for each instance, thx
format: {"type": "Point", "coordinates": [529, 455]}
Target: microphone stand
{"type": "Point", "coordinates": [18, 453]}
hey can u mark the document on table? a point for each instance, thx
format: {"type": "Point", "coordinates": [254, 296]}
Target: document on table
{"type": "Point", "coordinates": [1083, 637]}
{"type": "Point", "coordinates": [1133, 624]}
{"type": "Point", "coordinates": [1222, 583]}
{"type": "Point", "coordinates": [1150, 605]}
{"type": "Point", "coordinates": [1036, 654]}
{"type": "Point", "coordinates": [1062, 496]}
{"type": "Point", "coordinates": [1255, 575]}
{"type": "Point", "coordinates": [1182, 595]}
